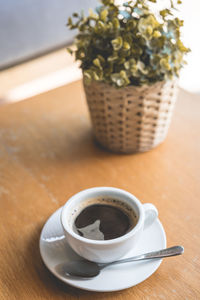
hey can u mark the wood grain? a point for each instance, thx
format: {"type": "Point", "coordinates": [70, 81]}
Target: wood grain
{"type": "Point", "coordinates": [47, 153]}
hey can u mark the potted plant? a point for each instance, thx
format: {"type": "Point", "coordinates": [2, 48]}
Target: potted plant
{"type": "Point", "coordinates": [130, 58]}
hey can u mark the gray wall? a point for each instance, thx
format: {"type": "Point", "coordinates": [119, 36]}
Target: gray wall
{"type": "Point", "coordinates": [29, 28]}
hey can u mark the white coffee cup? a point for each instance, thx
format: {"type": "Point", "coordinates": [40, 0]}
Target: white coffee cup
{"type": "Point", "coordinates": [103, 251]}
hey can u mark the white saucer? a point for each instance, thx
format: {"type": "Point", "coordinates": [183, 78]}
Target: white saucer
{"type": "Point", "coordinates": [54, 250]}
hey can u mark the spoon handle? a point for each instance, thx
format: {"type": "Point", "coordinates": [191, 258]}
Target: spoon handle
{"type": "Point", "coordinates": [172, 251]}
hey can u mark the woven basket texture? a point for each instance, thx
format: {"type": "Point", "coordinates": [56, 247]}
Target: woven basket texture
{"type": "Point", "coordinates": [131, 119]}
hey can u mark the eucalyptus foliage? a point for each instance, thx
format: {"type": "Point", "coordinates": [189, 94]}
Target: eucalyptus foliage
{"type": "Point", "coordinates": [128, 44]}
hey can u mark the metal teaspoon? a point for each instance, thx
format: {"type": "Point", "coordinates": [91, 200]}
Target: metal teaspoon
{"type": "Point", "coordinates": [88, 269]}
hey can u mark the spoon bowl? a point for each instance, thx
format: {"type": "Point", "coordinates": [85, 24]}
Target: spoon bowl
{"type": "Point", "coordinates": [79, 268]}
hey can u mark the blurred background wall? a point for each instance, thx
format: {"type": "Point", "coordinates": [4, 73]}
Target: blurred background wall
{"type": "Point", "coordinates": [29, 28]}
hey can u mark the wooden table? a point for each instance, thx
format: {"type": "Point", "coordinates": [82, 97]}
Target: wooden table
{"type": "Point", "coordinates": [47, 154]}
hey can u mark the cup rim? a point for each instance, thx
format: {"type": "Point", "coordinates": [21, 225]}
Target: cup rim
{"type": "Point", "coordinates": [102, 189]}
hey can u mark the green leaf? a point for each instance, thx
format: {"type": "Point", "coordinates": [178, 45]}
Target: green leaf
{"type": "Point", "coordinates": [97, 63]}
{"type": "Point", "coordinates": [108, 2]}
{"type": "Point", "coordinates": [181, 47]}
{"type": "Point", "coordinates": [117, 43]}
{"type": "Point", "coordinates": [69, 23]}
{"type": "Point", "coordinates": [147, 25]}
{"type": "Point", "coordinates": [165, 12]}
{"type": "Point", "coordinates": [149, 30]}
{"type": "Point", "coordinates": [87, 77]}
{"type": "Point", "coordinates": [179, 23]}
{"type": "Point", "coordinates": [131, 24]}
{"type": "Point", "coordinates": [157, 34]}
{"type": "Point", "coordinates": [69, 50]}
{"type": "Point", "coordinates": [95, 76]}
{"type": "Point", "coordinates": [101, 59]}
{"type": "Point", "coordinates": [126, 46]}
{"type": "Point", "coordinates": [115, 23]}
{"type": "Point", "coordinates": [103, 15]}
{"type": "Point", "coordinates": [99, 27]}
{"type": "Point", "coordinates": [164, 63]}
{"type": "Point", "coordinates": [172, 4]}
{"type": "Point", "coordinates": [121, 60]}
{"type": "Point", "coordinates": [113, 57]}
{"type": "Point", "coordinates": [118, 79]}
{"type": "Point", "coordinates": [141, 67]}
{"type": "Point", "coordinates": [92, 15]}
{"type": "Point", "coordinates": [123, 75]}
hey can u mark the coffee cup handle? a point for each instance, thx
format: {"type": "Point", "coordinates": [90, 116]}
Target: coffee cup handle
{"type": "Point", "coordinates": [151, 214]}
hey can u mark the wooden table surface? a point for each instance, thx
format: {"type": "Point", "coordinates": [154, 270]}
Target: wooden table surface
{"type": "Point", "coordinates": [47, 154]}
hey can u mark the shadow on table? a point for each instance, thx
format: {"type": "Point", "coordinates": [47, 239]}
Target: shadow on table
{"type": "Point", "coordinates": [42, 144]}
{"type": "Point", "coordinates": [46, 283]}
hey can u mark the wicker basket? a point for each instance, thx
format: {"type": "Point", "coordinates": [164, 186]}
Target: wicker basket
{"type": "Point", "coordinates": [131, 119]}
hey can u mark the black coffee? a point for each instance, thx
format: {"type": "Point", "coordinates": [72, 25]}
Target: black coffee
{"type": "Point", "coordinates": [103, 222]}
